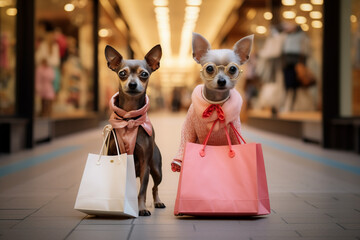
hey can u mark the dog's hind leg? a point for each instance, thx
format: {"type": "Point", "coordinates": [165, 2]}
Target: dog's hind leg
{"type": "Point", "coordinates": [156, 174]}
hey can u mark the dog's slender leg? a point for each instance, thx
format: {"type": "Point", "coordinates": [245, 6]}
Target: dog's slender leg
{"type": "Point", "coordinates": [156, 174]}
{"type": "Point", "coordinates": [144, 180]}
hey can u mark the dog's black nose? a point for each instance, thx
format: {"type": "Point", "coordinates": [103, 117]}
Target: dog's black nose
{"type": "Point", "coordinates": [221, 82]}
{"type": "Point", "coordinates": [132, 85]}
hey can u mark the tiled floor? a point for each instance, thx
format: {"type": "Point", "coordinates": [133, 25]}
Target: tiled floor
{"type": "Point", "coordinates": [315, 194]}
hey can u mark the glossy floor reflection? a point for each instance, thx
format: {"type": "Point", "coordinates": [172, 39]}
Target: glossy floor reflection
{"type": "Point", "coordinates": [315, 193]}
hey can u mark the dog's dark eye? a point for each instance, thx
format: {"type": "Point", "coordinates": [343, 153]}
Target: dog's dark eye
{"type": "Point", "coordinates": [232, 70]}
{"type": "Point", "coordinates": [209, 69]}
{"type": "Point", "coordinates": [144, 75]}
{"type": "Point", "coordinates": [122, 74]}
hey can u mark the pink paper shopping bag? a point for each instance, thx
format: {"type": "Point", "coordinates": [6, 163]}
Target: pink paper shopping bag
{"type": "Point", "coordinates": [222, 180]}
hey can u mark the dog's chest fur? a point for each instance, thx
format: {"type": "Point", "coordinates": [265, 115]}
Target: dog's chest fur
{"type": "Point", "coordinates": [144, 145]}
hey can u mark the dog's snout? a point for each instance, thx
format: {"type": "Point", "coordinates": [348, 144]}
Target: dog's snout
{"type": "Point", "coordinates": [132, 85]}
{"type": "Point", "coordinates": [221, 82]}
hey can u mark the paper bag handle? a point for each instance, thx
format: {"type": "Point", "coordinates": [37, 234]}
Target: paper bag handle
{"type": "Point", "coordinates": [237, 134]}
{"type": "Point", "coordinates": [108, 128]}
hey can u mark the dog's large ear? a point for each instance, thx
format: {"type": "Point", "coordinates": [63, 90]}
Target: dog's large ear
{"type": "Point", "coordinates": [200, 46]}
{"type": "Point", "coordinates": [242, 48]}
{"type": "Point", "coordinates": [153, 57]}
{"type": "Point", "coordinates": [113, 57]}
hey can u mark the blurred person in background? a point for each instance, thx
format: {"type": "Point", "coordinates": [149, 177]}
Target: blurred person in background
{"type": "Point", "coordinates": [269, 69]}
{"type": "Point", "coordinates": [296, 51]}
{"type": "Point", "coordinates": [61, 40]}
{"type": "Point", "coordinates": [282, 68]}
{"type": "Point", "coordinates": [47, 56]}
{"type": "Point", "coordinates": [44, 78]}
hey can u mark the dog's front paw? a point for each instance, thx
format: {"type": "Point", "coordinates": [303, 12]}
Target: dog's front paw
{"type": "Point", "coordinates": [144, 212]}
{"type": "Point", "coordinates": [159, 205]}
{"type": "Point", "coordinates": [176, 166]}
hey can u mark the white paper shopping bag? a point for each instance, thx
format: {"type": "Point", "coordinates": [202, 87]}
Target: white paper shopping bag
{"type": "Point", "coordinates": [108, 185]}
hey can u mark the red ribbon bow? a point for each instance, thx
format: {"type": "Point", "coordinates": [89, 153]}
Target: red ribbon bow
{"type": "Point", "coordinates": [214, 107]}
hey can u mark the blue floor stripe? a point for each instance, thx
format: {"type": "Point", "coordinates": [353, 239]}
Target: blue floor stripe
{"type": "Point", "coordinates": [32, 161]}
{"type": "Point", "coordinates": [313, 157]}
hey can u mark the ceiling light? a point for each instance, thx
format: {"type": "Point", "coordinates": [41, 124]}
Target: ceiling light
{"type": "Point", "coordinates": [288, 2]}
{"type": "Point", "coordinates": [317, 2]}
{"type": "Point", "coordinates": [69, 7]}
{"type": "Point", "coordinates": [4, 3]}
{"type": "Point", "coordinates": [163, 25]}
{"type": "Point", "coordinates": [307, 7]}
{"type": "Point", "coordinates": [251, 14]}
{"type": "Point", "coordinates": [316, 24]}
{"type": "Point", "coordinates": [79, 3]}
{"type": "Point", "coordinates": [315, 14]}
{"type": "Point", "coordinates": [162, 10]}
{"type": "Point", "coordinates": [194, 2]}
{"type": "Point", "coordinates": [353, 19]}
{"type": "Point", "coordinates": [261, 29]}
{"type": "Point", "coordinates": [289, 14]}
{"type": "Point", "coordinates": [104, 32]}
{"type": "Point", "coordinates": [192, 10]}
{"type": "Point", "coordinates": [300, 19]}
{"type": "Point", "coordinates": [191, 16]}
{"type": "Point", "coordinates": [268, 15]}
{"type": "Point", "coordinates": [11, 11]}
{"type": "Point", "coordinates": [160, 3]}
{"type": "Point", "coordinates": [253, 28]}
{"type": "Point", "coordinates": [304, 27]}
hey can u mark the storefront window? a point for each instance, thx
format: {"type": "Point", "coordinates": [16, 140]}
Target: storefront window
{"type": "Point", "coordinates": [115, 34]}
{"type": "Point", "coordinates": [284, 71]}
{"type": "Point", "coordinates": [355, 56]}
{"type": "Point", "coordinates": [8, 13]}
{"type": "Point", "coordinates": [63, 57]}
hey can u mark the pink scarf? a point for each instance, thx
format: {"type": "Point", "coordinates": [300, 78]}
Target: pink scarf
{"type": "Point", "coordinates": [126, 124]}
{"type": "Point", "coordinates": [231, 108]}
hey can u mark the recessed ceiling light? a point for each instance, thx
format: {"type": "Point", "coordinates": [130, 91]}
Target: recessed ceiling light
{"type": "Point", "coordinates": [163, 25]}
{"type": "Point", "coordinates": [4, 3]}
{"type": "Point", "coordinates": [289, 14]}
{"type": "Point", "coordinates": [69, 7]}
{"type": "Point", "coordinates": [305, 27]}
{"type": "Point", "coordinates": [104, 32]}
{"type": "Point", "coordinates": [300, 19]}
{"type": "Point", "coordinates": [353, 19]}
{"type": "Point", "coordinates": [11, 11]}
{"type": "Point", "coordinates": [160, 3]}
{"type": "Point", "coordinates": [251, 14]}
{"type": "Point", "coordinates": [261, 29]}
{"type": "Point", "coordinates": [316, 24]}
{"type": "Point", "coordinates": [288, 2]}
{"type": "Point", "coordinates": [317, 2]}
{"type": "Point", "coordinates": [268, 15]}
{"type": "Point", "coordinates": [315, 14]}
{"type": "Point", "coordinates": [194, 2]}
{"type": "Point", "coordinates": [307, 7]}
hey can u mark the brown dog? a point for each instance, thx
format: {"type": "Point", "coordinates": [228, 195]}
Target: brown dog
{"type": "Point", "coordinates": [133, 80]}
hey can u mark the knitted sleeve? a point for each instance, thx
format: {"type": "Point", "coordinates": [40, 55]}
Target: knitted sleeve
{"type": "Point", "coordinates": [237, 125]}
{"type": "Point", "coordinates": [188, 133]}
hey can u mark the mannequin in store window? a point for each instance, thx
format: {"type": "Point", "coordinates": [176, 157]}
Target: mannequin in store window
{"type": "Point", "coordinates": [44, 78]}
{"type": "Point", "coordinates": [48, 56]}
{"type": "Point", "coordinates": [295, 50]}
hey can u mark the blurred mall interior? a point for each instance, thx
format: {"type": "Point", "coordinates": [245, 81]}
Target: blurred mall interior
{"type": "Point", "coordinates": [301, 92]}
{"type": "Point", "coordinates": [317, 101]}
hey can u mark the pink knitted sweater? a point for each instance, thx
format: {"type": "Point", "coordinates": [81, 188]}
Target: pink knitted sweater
{"type": "Point", "coordinates": [196, 128]}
